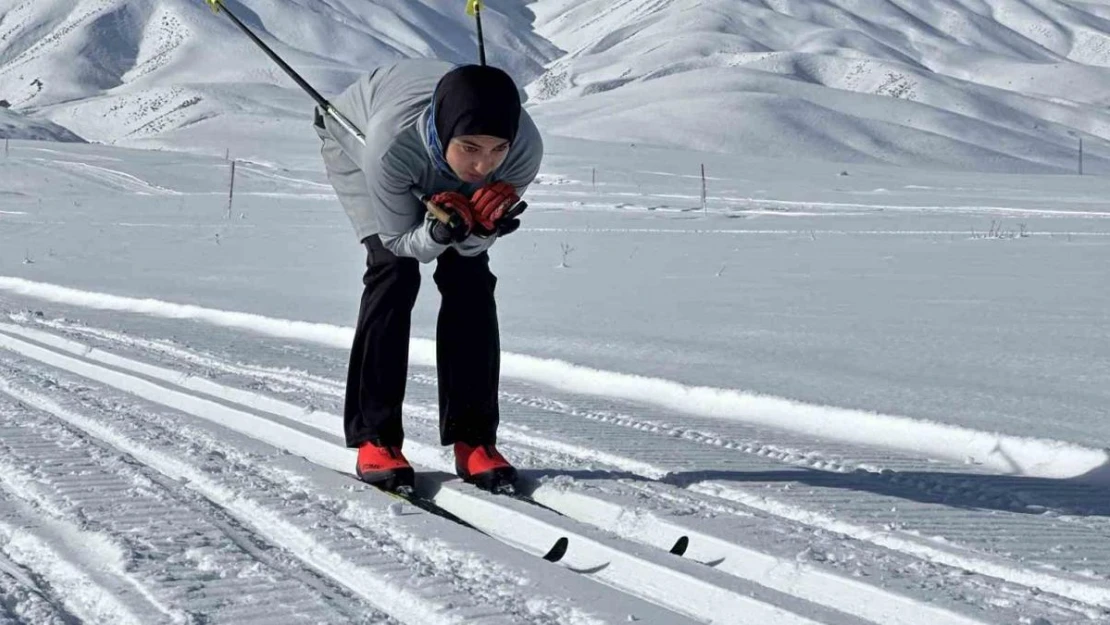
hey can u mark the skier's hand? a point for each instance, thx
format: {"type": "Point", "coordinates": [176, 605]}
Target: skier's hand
{"type": "Point", "coordinates": [509, 222]}
{"type": "Point", "coordinates": [459, 217]}
{"type": "Point", "coordinates": [491, 202]}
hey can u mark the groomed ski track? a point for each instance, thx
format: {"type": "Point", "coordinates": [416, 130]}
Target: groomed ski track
{"type": "Point", "coordinates": [241, 460]}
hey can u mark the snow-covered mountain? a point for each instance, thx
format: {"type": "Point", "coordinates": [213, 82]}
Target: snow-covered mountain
{"type": "Point", "coordinates": [125, 70]}
{"type": "Point", "coordinates": [16, 126]}
{"type": "Point", "coordinates": [995, 84]}
{"type": "Point", "coordinates": [1006, 85]}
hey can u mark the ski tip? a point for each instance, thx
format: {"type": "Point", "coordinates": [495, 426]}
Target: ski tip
{"type": "Point", "coordinates": [558, 550]}
{"type": "Point", "coordinates": [680, 546]}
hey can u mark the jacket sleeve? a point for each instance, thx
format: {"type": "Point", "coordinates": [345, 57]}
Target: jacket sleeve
{"type": "Point", "coordinates": [474, 245]}
{"type": "Point", "coordinates": [399, 212]}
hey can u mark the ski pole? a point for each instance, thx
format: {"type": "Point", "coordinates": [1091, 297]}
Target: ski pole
{"type": "Point", "coordinates": [475, 8]}
{"type": "Point", "coordinates": [453, 221]}
{"type": "Point", "coordinates": [331, 111]}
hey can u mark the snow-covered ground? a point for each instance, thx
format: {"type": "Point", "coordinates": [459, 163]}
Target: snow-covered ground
{"type": "Point", "coordinates": [876, 397]}
{"type": "Point", "coordinates": [840, 391]}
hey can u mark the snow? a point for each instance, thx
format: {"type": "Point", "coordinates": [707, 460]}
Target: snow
{"type": "Point", "coordinates": [1004, 454]}
{"type": "Point", "coordinates": [172, 73]}
{"type": "Point", "coordinates": [626, 393]}
{"type": "Point", "coordinates": [866, 380]}
{"type": "Point", "coordinates": [1001, 85]}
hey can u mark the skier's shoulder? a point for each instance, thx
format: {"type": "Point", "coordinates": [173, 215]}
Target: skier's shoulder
{"type": "Point", "coordinates": [528, 134]}
{"type": "Point", "coordinates": [406, 77]}
{"type": "Point", "coordinates": [393, 148]}
{"type": "Point", "coordinates": [527, 148]}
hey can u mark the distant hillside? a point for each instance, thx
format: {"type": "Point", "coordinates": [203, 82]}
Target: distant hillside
{"type": "Point", "coordinates": [16, 126]}
{"type": "Point", "coordinates": [1001, 85]}
{"type": "Point", "coordinates": [120, 70]}
{"type": "Point", "coordinates": [996, 84]}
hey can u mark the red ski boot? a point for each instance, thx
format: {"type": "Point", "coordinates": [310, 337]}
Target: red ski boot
{"type": "Point", "coordinates": [484, 467]}
{"type": "Point", "coordinates": [384, 467]}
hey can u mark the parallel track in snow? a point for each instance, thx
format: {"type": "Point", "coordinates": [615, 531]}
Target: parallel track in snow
{"type": "Point", "coordinates": [683, 586]}
{"type": "Point", "coordinates": [604, 507]}
{"type": "Point", "coordinates": [186, 558]}
{"type": "Point", "coordinates": [341, 539]}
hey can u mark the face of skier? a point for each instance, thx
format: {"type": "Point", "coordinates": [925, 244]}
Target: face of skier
{"type": "Point", "coordinates": [474, 157]}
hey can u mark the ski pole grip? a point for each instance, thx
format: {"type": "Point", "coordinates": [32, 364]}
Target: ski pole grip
{"type": "Point", "coordinates": [453, 221]}
{"type": "Point", "coordinates": [436, 211]}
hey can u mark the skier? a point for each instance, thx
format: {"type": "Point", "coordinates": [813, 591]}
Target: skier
{"type": "Point", "coordinates": [439, 139]}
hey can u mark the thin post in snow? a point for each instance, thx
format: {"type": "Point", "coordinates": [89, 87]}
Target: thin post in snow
{"type": "Point", "coordinates": [6, 148]}
{"type": "Point", "coordinates": [704, 191]}
{"type": "Point", "coordinates": [231, 190]}
{"type": "Point", "coordinates": [593, 178]}
{"type": "Point", "coordinates": [1080, 156]}
{"type": "Point", "coordinates": [227, 154]}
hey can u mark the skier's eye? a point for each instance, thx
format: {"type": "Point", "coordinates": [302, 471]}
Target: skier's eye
{"type": "Point", "coordinates": [469, 149]}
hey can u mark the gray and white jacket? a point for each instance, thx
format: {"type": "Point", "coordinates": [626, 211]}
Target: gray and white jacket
{"type": "Point", "coordinates": [380, 185]}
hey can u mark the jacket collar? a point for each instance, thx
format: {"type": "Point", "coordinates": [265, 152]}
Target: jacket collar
{"type": "Point", "coordinates": [429, 136]}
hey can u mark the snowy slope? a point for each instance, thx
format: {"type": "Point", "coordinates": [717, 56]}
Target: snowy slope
{"type": "Point", "coordinates": [16, 126]}
{"type": "Point", "coordinates": [993, 84]}
{"type": "Point", "coordinates": [117, 70]}
{"type": "Point", "coordinates": [861, 399]}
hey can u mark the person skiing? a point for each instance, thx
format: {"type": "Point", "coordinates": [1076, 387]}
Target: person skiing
{"type": "Point", "coordinates": [448, 153]}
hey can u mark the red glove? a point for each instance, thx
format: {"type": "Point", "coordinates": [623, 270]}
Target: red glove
{"type": "Point", "coordinates": [491, 201]}
{"type": "Point", "coordinates": [454, 202]}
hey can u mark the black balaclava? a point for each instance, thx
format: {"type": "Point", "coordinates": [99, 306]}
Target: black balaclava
{"type": "Point", "coordinates": [476, 100]}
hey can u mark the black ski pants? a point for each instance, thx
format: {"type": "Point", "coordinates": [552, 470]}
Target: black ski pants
{"type": "Point", "coordinates": [468, 348]}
